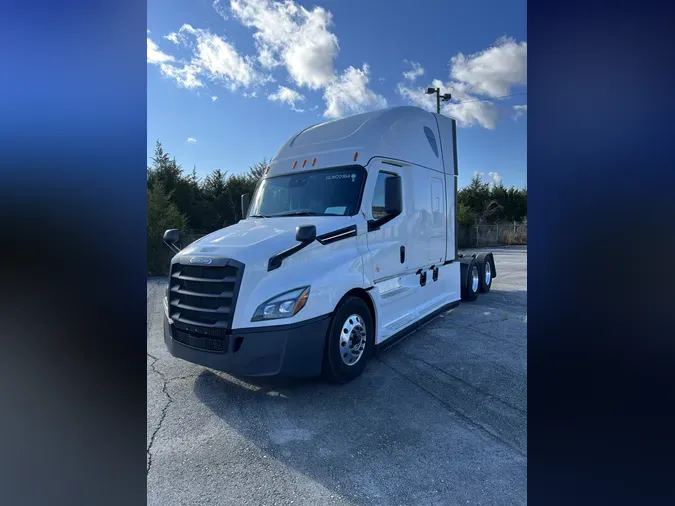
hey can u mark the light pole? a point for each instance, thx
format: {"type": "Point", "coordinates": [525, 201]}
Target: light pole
{"type": "Point", "coordinates": [437, 91]}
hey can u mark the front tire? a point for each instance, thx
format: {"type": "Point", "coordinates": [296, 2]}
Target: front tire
{"type": "Point", "coordinates": [349, 342]}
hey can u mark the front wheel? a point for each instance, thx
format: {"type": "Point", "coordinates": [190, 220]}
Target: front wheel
{"type": "Point", "coordinates": [350, 339]}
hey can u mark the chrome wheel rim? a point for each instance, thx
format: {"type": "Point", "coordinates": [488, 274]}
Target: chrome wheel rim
{"type": "Point", "coordinates": [488, 273]}
{"type": "Point", "coordinates": [352, 340]}
{"type": "Point", "coordinates": [474, 278]}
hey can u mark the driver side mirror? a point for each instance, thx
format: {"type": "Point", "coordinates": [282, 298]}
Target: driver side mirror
{"type": "Point", "coordinates": [305, 233]}
{"type": "Point", "coordinates": [171, 238]}
{"type": "Point", "coordinates": [172, 235]}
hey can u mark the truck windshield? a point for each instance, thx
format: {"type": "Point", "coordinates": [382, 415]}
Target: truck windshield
{"type": "Point", "coordinates": [326, 192]}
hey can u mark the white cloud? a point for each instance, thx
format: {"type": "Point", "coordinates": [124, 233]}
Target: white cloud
{"type": "Point", "coordinates": [219, 59]}
{"type": "Point", "coordinates": [267, 59]}
{"type": "Point", "coordinates": [186, 76]}
{"type": "Point", "coordinates": [155, 55]}
{"type": "Point", "coordinates": [300, 40]}
{"type": "Point", "coordinates": [173, 37]}
{"type": "Point", "coordinates": [416, 71]}
{"type": "Point", "coordinates": [212, 57]}
{"type": "Point", "coordinates": [350, 94]}
{"type": "Point", "coordinates": [220, 9]}
{"type": "Point", "coordinates": [417, 97]}
{"type": "Point", "coordinates": [479, 174]}
{"type": "Point", "coordinates": [191, 140]}
{"type": "Point", "coordinates": [214, 98]}
{"type": "Point", "coordinates": [496, 178]}
{"type": "Point", "coordinates": [253, 94]}
{"type": "Point", "coordinates": [469, 114]}
{"type": "Point", "coordinates": [287, 96]}
{"type": "Point", "coordinates": [519, 110]}
{"type": "Point", "coordinates": [288, 34]}
{"type": "Point", "coordinates": [492, 73]}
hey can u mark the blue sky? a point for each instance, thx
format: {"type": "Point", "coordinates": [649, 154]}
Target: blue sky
{"type": "Point", "coordinates": [230, 81]}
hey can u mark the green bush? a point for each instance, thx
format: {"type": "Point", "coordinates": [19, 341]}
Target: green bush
{"type": "Point", "coordinates": [195, 207]}
{"type": "Point", "coordinates": [465, 215]}
{"type": "Point", "coordinates": [162, 215]}
{"type": "Point", "coordinates": [486, 203]}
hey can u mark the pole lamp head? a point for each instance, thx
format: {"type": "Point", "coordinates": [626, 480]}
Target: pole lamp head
{"type": "Point", "coordinates": [430, 91]}
{"type": "Point", "coordinates": [446, 97]}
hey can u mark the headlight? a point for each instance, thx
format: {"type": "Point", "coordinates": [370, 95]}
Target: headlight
{"type": "Point", "coordinates": [282, 306]}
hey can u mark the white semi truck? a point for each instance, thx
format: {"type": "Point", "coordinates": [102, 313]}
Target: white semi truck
{"type": "Point", "coordinates": [348, 244]}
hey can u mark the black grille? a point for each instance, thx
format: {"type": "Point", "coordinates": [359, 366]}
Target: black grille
{"type": "Point", "coordinates": [201, 331]}
{"type": "Point", "coordinates": [202, 298]}
{"type": "Point", "coordinates": [217, 344]}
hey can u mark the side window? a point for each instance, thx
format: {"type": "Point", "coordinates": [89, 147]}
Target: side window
{"type": "Point", "coordinates": [379, 206]}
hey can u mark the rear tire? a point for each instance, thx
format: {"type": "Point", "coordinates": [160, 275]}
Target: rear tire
{"type": "Point", "coordinates": [350, 341]}
{"type": "Point", "coordinates": [486, 271]}
{"type": "Point", "coordinates": [472, 283]}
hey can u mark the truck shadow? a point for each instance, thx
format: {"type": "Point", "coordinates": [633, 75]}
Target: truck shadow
{"type": "Point", "coordinates": [376, 440]}
{"type": "Point", "coordinates": [324, 431]}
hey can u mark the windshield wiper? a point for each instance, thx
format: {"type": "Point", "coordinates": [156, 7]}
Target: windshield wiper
{"type": "Point", "coordinates": [297, 213]}
{"type": "Point", "coordinates": [257, 216]}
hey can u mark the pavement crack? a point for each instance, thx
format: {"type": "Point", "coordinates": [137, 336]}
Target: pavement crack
{"type": "Point", "coordinates": [164, 409]}
{"type": "Point", "coordinates": [187, 376]}
{"type": "Point", "coordinates": [461, 415]}
{"type": "Point", "coordinates": [470, 385]}
{"type": "Point", "coordinates": [474, 327]}
{"type": "Point", "coordinates": [435, 335]}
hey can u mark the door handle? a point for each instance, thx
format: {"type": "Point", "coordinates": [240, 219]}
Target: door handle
{"type": "Point", "coordinates": [402, 254]}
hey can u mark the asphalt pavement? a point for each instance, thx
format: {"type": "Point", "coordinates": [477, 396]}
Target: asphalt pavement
{"type": "Point", "coordinates": [438, 419]}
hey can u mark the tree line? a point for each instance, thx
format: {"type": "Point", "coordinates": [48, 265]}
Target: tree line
{"type": "Point", "coordinates": [176, 199]}
{"type": "Point", "coordinates": [194, 206]}
{"type": "Point", "coordinates": [485, 203]}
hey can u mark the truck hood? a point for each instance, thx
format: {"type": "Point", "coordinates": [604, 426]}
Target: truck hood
{"type": "Point", "coordinates": [256, 240]}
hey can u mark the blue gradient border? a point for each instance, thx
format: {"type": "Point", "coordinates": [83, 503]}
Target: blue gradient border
{"type": "Point", "coordinates": [73, 214]}
{"type": "Point", "coordinates": [601, 240]}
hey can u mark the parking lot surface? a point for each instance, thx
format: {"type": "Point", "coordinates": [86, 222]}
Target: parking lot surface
{"type": "Point", "coordinates": [438, 419]}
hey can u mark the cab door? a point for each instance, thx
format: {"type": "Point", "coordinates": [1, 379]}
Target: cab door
{"type": "Point", "coordinates": [386, 234]}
